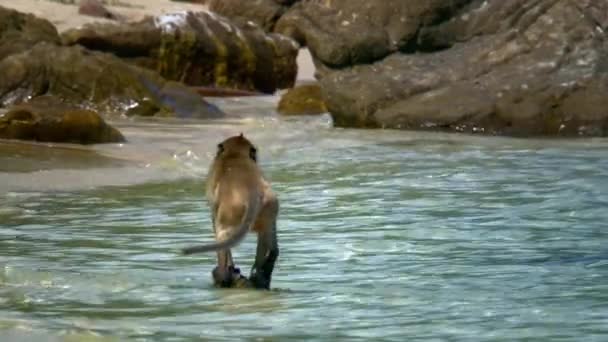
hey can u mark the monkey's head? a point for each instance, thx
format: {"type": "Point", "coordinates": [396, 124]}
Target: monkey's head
{"type": "Point", "coordinates": [237, 146]}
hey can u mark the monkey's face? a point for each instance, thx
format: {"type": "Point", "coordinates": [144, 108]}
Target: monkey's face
{"type": "Point", "coordinates": [237, 146]}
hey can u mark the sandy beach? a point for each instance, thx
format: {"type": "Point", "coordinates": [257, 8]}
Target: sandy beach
{"type": "Point", "coordinates": [66, 16]}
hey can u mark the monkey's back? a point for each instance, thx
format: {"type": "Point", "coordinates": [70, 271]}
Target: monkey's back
{"type": "Point", "coordinates": [234, 182]}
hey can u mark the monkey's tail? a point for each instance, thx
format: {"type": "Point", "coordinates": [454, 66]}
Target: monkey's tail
{"type": "Point", "coordinates": [246, 222]}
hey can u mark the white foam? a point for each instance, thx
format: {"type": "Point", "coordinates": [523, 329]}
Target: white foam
{"type": "Point", "coordinates": [170, 21]}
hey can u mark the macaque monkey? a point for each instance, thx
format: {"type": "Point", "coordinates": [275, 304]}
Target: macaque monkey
{"type": "Point", "coordinates": [240, 200]}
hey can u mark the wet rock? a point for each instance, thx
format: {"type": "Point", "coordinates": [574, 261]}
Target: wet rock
{"type": "Point", "coordinates": [345, 32]}
{"type": "Point", "coordinates": [199, 49]}
{"type": "Point", "coordinates": [302, 100]}
{"type": "Point", "coordinates": [19, 31]}
{"type": "Point", "coordinates": [264, 12]}
{"type": "Point", "coordinates": [237, 280]}
{"type": "Point", "coordinates": [98, 81]}
{"type": "Point", "coordinates": [23, 156]}
{"type": "Point", "coordinates": [495, 67]}
{"type": "Point", "coordinates": [49, 119]}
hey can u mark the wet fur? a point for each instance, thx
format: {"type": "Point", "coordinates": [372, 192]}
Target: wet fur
{"type": "Point", "coordinates": [241, 200]}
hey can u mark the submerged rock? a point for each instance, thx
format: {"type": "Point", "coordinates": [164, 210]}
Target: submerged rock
{"type": "Point", "coordinates": [20, 31]}
{"type": "Point", "coordinates": [49, 119]}
{"type": "Point", "coordinates": [199, 49]}
{"type": "Point", "coordinates": [24, 157]}
{"type": "Point", "coordinates": [496, 67]}
{"type": "Point", "coordinates": [302, 100]}
{"type": "Point", "coordinates": [98, 81]}
{"type": "Point", "coordinates": [239, 281]}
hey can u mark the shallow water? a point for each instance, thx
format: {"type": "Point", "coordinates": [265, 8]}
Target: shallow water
{"type": "Point", "coordinates": [384, 236]}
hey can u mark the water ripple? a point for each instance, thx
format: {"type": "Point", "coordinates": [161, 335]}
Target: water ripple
{"type": "Point", "coordinates": [383, 237]}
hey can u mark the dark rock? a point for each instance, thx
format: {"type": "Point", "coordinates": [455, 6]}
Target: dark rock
{"type": "Point", "coordinates": [137, 43]}
{"type": "Point", "coordinates": [199, 49]}
{"type": "Point", "coordinates": [345, 32]}
{"type": "Point", "coordinates": [237, 280]}
{"type": "Point", "coordinates": [302, 100]}
{"type": "Point", "coordinates": [19, 31]}
{"type": "Point", "coordinates": [98, 81]}
{"type": "Point", "coordinates": [497, 67]}
{"type": "Point", "coordinates": [262, 12]}
{"type": "Point", "coordinates": [49, 119]}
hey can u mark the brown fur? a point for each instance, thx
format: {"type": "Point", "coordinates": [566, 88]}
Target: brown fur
{"type": "Point", "coordinates": [240, 200]}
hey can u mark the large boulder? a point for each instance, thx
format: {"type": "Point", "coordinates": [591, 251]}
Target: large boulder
{"type": "Point", "coordinates": [341, 33]}
{"type": "Point", "coordinates": [199, 49]}
{"type": "Point", "coordinates": [49, 119]}
{"type": "Point", "coordinates": [19, 31]}
{"type": "Point", "coordinates": [513, 67]}
{"type": "Point", "coordinates": [98, 81]}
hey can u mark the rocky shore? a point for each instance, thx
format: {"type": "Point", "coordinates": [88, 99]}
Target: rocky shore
{"type": "Point", "coordinates": [516, 67]}
{"type": "Point", "coordinates": [154, 66]}
{"type": "Point", "coordinates": [494, 67]}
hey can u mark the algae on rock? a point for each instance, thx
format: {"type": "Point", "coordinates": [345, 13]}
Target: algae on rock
{"type": "Point", "coordinates": [306, 99]}
{"type": "Point", "coordinates": [198, 49]}
{"type": "Point", "coordinates": [48, 119]}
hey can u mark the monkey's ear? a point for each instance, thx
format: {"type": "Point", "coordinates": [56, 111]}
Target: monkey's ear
{"type": "Point", "coordinates": [253, 154]}
{"type": "Point", "coordinates": [220, 148]}
{"type": "Point", "coordinates": [241, 135]}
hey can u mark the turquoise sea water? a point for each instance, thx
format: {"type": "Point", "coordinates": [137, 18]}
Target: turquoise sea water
{"type": "Point", "coordinates": [384, 235]}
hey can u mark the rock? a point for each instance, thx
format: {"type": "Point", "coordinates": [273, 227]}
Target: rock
{"type": "Point", "coordinates": [199, 49]}
{"type": "Point", "coordinates": [496, 67]}
{"type": "Point", "coordinates": [19, 31]}
{"type": "Point", "coordinates": [263, 12]}
{"type": "Point", "coordinates": [96, 8]}
{"type": "Point", "coordinates": [302, 100]}
{"type": "Point", "coordinates": [48, 119]}
{"type": "Point", "coordinates": [237, 280]}
{"type": "Point", "coordinates": [98, 81]}
{"type": "Point", "coordinates": [345, 32]}
{"type": "Point", "coordinates": [25, 157]}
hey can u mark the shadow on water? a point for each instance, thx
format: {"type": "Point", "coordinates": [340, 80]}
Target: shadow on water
{"type": "Point", "coordinates": [552, 259]}
{"type": "Point", "coordinates": [587, 260]}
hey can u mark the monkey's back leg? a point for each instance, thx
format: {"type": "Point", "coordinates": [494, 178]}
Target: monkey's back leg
{"type": "Point", "coordinates": [225, 221]}
{"type": "Point", "coordinates": [267, 250]}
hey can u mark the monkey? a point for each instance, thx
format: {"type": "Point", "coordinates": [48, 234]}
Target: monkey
{"type": "Point", "coordinates": [240, 200]}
